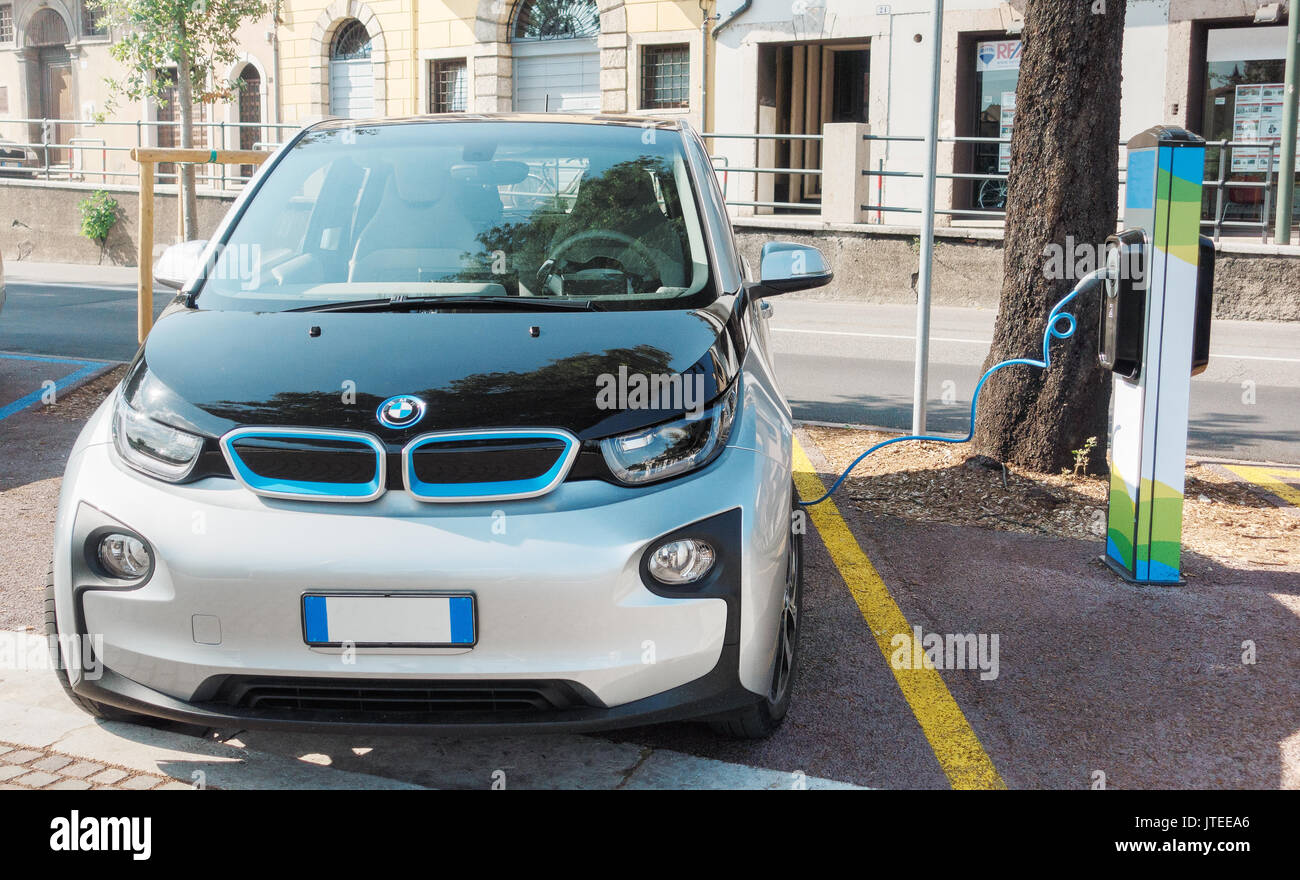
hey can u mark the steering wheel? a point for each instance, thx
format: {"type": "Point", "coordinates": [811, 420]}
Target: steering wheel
{"type": "Point", "coordinates": [548, 268]}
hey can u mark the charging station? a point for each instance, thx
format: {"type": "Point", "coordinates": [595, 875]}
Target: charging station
{"type": "Point", "coordinates": [1154, 336]}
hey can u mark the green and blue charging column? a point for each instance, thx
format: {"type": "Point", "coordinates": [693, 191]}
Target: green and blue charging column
{"type": "Point", "coordinates": [1154, 337]}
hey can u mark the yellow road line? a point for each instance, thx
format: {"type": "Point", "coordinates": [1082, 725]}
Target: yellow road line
{"type": "Point", "coordinates": [951, 738]}
{"type": "Point", "coordinates": [1268, 478]}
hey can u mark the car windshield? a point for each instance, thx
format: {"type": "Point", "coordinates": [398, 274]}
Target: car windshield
{"type": "Point", "coordinates": [603, 214]}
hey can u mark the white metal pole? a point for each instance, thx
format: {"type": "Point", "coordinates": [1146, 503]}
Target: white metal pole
{"type": "Point", "coordinates": [921, 376]}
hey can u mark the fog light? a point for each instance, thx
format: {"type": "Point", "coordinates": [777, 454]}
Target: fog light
{"type": "Point", "coordinates": [681, 562]}
{"type": "Point", "coordinates": [124, 556]}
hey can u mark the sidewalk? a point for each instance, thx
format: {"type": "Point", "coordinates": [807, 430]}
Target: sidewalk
{"type": "Point", "coordinates": [45, 742]}
{"type": "Point", "coordinates": [76, 274]}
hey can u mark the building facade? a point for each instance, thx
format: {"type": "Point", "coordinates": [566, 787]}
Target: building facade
{"type": "Point", "coordinates": [1212, 66]}
{"type": "Point", "coordinates": [54, 65]}
{"type": "Point", "coordinates": [738, 67]}
{"type": "Point", "coordinates": [429, 56]}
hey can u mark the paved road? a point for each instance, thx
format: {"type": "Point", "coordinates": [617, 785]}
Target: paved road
{"type": "Point", "coordinates": [852, 362]}
{"type": "Point", "coordinates": [72, 311]}
{"type": "Point", "coordinates": [839, 362]}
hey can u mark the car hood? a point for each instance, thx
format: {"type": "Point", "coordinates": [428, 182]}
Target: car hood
{"type": "Point", "coordinates": [210, 371]}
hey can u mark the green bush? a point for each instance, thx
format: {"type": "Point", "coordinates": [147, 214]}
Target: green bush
{"type": "Point", "coordinates": [99, 211]}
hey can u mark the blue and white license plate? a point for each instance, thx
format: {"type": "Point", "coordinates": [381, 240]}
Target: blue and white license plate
{"type": "Point", "coordinates": [386, 620]}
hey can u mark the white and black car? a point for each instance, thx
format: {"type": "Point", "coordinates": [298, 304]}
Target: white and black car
{"type": "Point", "coordinates": [458, 422]}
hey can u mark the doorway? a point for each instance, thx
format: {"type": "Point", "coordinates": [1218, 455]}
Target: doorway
{"type": "Point", "coordinates": [48, 35]}
{"type": "Point", "coordinates": [556, 58]}
{"type": "Point", "coordinates": [250, 111]}
{"type": "Point", "coordinates": [804, 86]}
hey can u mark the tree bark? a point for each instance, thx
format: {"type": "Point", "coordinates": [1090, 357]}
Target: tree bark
{"type": "Point", "coordinates": [188, 196]}
{"type": "Point", "coordinates": [1063, 184]}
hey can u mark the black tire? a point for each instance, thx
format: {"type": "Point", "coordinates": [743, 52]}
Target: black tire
{"type": "Point", "coordinates": [99, 710]}
{"type": "Point", "coordinates": [761, 720]}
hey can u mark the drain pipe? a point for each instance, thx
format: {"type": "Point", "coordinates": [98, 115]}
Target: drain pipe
{"type": "Point", "coordinates": [705, 18]}
{"type": "Point", "coordinates": [275, 65]}
{"type": "Point", "coordinates": [732, 16]}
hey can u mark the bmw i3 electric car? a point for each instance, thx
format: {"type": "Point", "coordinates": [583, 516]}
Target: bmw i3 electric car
{"type": "Point", "coordinates": [464, 422]}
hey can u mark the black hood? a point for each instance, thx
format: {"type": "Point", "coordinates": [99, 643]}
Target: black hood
{"type": "Point", "coordinates": [210, 371]}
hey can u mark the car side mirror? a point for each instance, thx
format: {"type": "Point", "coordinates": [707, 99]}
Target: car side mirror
{"type": "Point", "coordinates": [179, 263]}
{"type": "Point", "coordinates": [786, 267]}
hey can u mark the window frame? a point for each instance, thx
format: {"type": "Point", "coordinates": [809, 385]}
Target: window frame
{"type": "Point", "coordinates": [434, 95]}
{"type": "Point", "coordinates": [647, 85]}
{"type": "Point", "coordinates": [93, 17]}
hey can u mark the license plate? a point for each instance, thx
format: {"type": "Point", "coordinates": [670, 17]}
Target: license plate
{"type": "Point", "coordinates": [389, 621]}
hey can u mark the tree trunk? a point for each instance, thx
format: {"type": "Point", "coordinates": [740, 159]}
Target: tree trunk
{"type": "Point", "coordinates": [188, 196]}
{"type": "Point", "coordinates": [1063, 185]}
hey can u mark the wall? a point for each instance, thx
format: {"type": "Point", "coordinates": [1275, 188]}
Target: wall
{"type": "Point", "coordinates": [41, 222]}
{"type": "Point", "coordinates": [1252, 282]}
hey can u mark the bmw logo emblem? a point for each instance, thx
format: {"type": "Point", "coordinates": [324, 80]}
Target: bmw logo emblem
{"type": "Point", "coordinates": [401, 411]}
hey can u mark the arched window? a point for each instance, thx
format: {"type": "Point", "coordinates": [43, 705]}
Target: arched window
{"type": "Point", "coordinates": [555, 20]}
{"type": "Point", "coordinates": [47, 28]}
{"type": "Point", "coordinates": [352, 77]}
{"type": "Point", "coordinates": [351, 42]}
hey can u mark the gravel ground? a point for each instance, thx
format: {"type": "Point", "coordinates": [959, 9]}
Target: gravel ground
{"type": "Point", "coordinates": [35, 446]}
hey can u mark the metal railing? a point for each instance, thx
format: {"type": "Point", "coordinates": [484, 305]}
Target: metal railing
{"type": "Point", "coordinates": [1230, 211]}
{"type": "Point", "coordinates": [57, 156]}
{"type": "Point", "coordinates": [1218, 186]}
{"type": "Point", "coordinates": [727, 168]}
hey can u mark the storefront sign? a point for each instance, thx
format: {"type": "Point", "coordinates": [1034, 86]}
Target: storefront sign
{"type": "Point", "coordinates": [997, 55]}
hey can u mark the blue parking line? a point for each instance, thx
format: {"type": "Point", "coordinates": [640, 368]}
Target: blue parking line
{"type": "Point", "coordinates": [88, 369]}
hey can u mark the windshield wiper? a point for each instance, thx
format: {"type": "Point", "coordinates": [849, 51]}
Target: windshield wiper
{"type": "Point", "coordinates": [412, 303]}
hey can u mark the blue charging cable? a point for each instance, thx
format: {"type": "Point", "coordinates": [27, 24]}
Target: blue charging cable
{"type": "Point", "coordinates": [1051, 332]}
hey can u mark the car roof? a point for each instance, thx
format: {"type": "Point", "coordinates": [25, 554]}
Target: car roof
{"type": "Point", "coordinates": [676, 124]}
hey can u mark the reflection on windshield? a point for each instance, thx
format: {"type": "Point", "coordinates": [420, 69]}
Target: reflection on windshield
{"type": "Point", "coordinates": [471, 209]}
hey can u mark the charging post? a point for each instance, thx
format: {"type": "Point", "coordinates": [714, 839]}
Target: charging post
{"type": "Point", "coordinates": [1154, 336]}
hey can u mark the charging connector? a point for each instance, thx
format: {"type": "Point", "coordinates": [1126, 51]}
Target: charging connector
{"type": "Point", "coordinates": [1052, 331]}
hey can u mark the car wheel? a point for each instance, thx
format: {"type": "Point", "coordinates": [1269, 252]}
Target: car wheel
{"type": "Point", "coordinates": [99, 710]}
{"type": "Point", "coordinates": [763, 718]}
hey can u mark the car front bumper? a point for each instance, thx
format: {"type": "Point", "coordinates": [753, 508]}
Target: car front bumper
{"type": "Point", "coordinates": [557, 583]}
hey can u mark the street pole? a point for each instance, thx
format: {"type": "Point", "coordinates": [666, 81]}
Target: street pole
{"type": "Point", "coordinates": [921, 376]}
{"type": "Point", "coordinates": [1286, 168]}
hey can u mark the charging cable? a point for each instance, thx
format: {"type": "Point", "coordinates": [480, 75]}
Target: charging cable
{"type": "Point", "coordinates": [1068, 325]}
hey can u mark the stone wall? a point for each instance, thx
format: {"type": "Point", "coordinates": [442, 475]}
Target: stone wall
{"type": "Point", "coordinates": [1252, 281]}
{"type": "Point", "coordinates": [41, 222]}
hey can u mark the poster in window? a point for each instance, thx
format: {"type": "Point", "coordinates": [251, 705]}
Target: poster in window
{"type": "Point", "coordinates": [1007, 120]}
{"type": "Point", "coordinates": [1257, 117]}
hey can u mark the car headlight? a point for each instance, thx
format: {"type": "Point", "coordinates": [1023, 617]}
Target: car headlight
{"type": "Point", "coordinates": [672, 448]}
{"type": "Point", "coordinates": [152, 447]}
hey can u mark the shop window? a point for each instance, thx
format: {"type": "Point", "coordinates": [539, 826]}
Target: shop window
{"type": "Point", "coordinates": [997, 70]}
{"type": "Point", "coordinates": [1244, 75]}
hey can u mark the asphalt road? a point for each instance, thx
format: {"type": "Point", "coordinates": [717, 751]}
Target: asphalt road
{"type": "Point", "coordinates": [838, 362]}
{"type": "Point", "coordinates": [88, 312]}
{"type": "Point", "coordinates": [853, 363]}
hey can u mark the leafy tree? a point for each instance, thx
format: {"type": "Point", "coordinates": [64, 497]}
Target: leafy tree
{"type": "Point", "coordinates": [1063, 185]}
{"type": "Point", "coordinates": [197, 39]}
